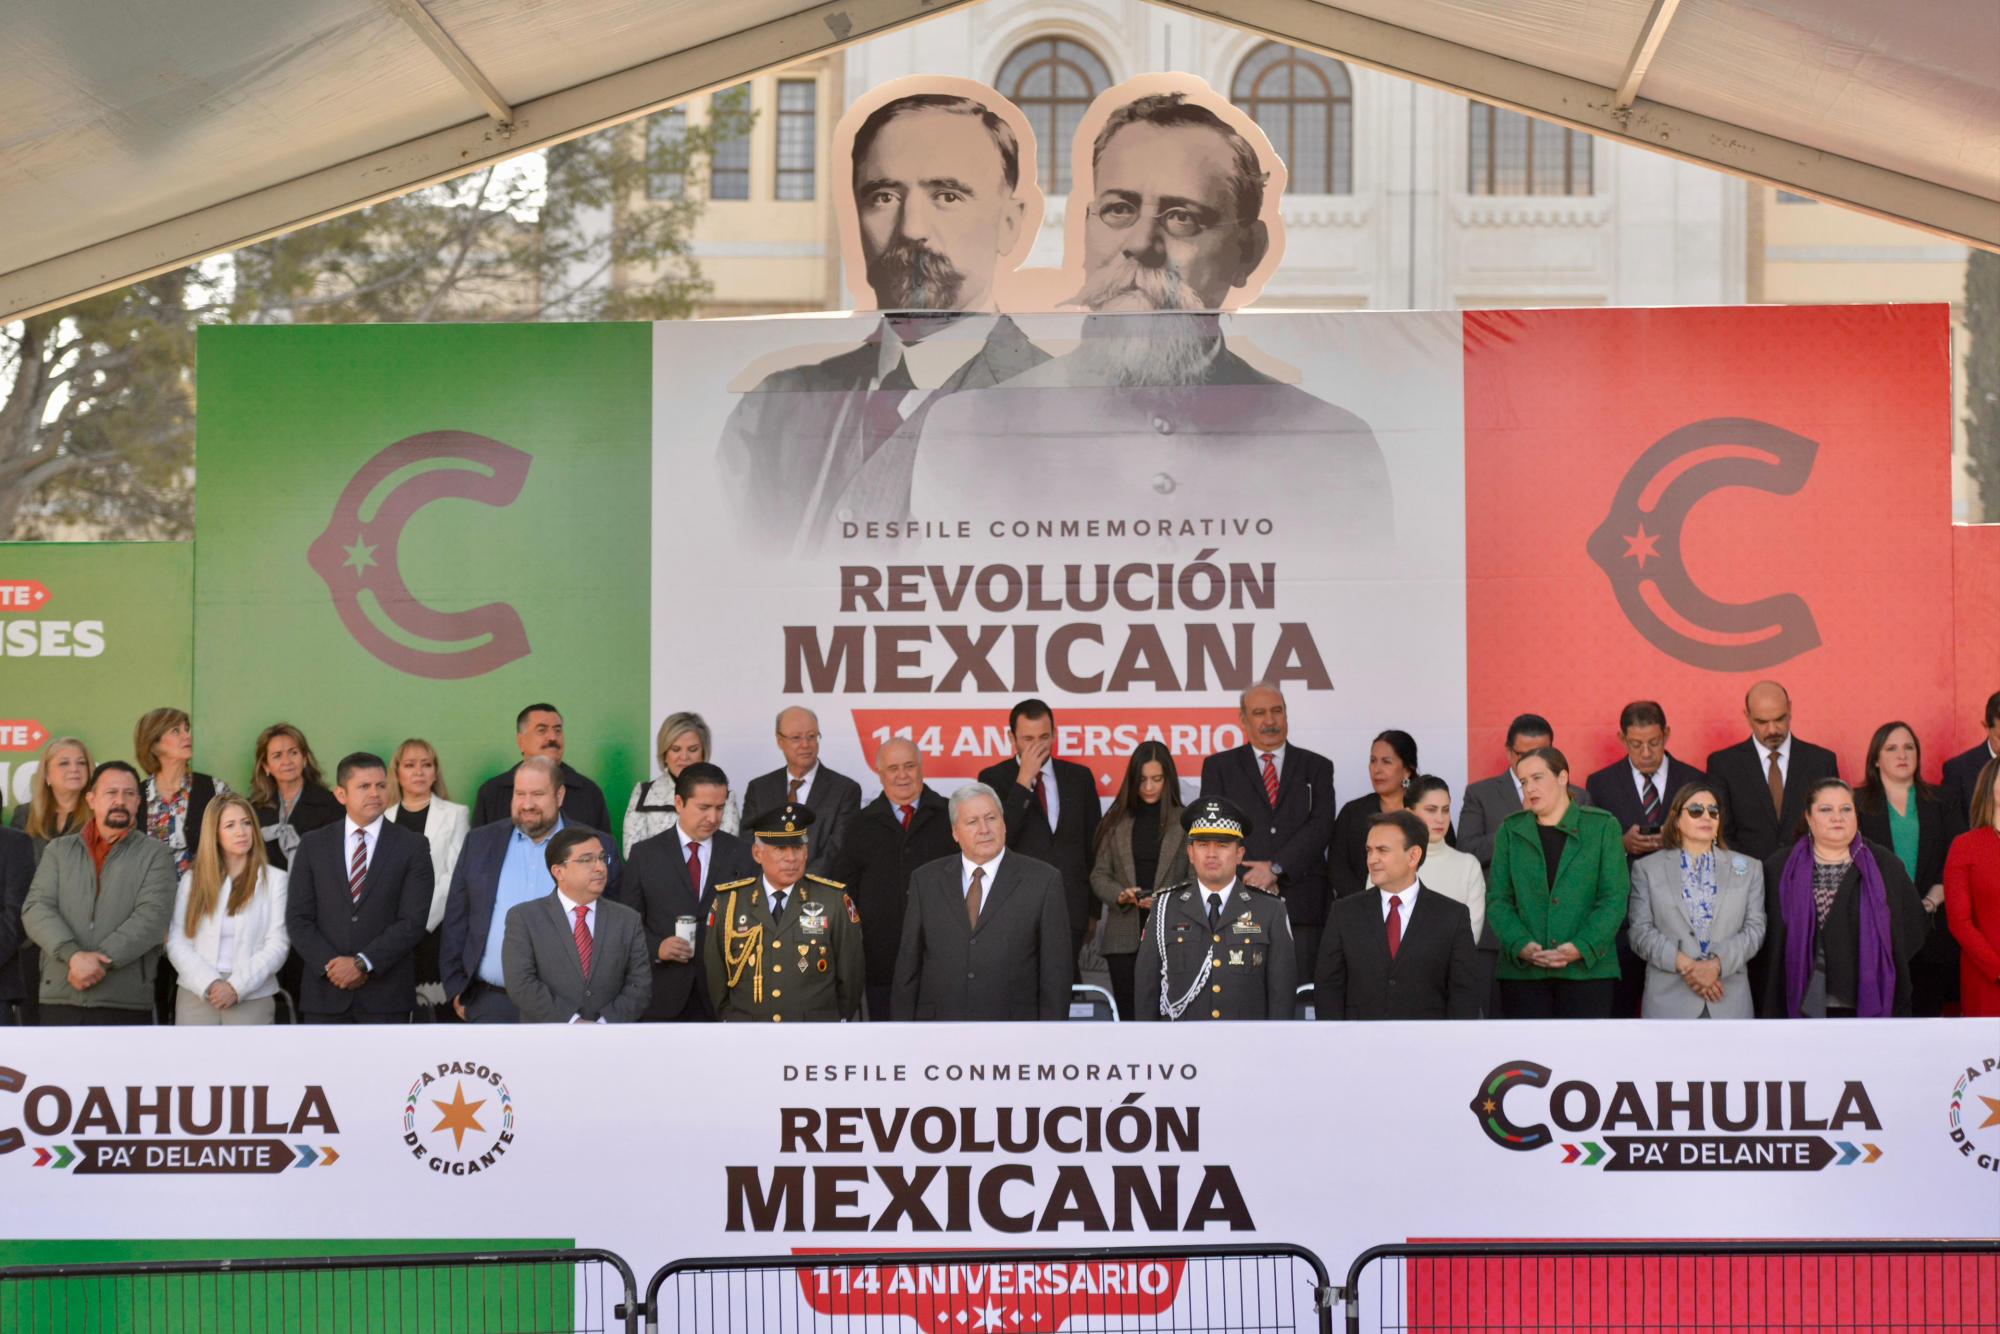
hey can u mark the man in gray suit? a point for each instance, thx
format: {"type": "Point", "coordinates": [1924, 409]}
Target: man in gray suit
{"type": "Point", "coordinates": [1491, 800]}
{"type": "Point", "coordinates": [834, 798]}
{"type": "Point", "coordinates": [985, 933]}
{"type": "Point", "coordinates": [937, 196]}
{"type": "Point", "coordinates": [574, 956]}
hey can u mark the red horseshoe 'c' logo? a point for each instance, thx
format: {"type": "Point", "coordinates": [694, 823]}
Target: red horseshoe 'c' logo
{"type": "Point", "coordinates": [357, 557]}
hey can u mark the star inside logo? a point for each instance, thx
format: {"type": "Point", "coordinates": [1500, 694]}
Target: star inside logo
{"type": "Point", "coordinates": [1642, 546]}
{"type": "Point", "coordinates": [459, 1115]}
{"type": "Point", "coordinates": [360, 556]}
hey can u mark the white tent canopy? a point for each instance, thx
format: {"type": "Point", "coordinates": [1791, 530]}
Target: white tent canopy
{"type": "Point", "coordinates": [136, 137]}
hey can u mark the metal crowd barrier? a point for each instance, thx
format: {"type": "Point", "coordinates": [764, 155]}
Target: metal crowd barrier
{"type": "Point", "coordinates": [1854, 1287]}
{"type": "Point", "coordinates": [1258, 1289]}
{"type": "Point", "coordinates": [564, 1291]}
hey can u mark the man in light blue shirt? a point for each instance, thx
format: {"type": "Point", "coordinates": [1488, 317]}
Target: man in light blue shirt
{"type": "Point", "coordinates": [504, 865]}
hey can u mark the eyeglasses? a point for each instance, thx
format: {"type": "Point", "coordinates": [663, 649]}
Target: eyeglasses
{"type": "Point", "coordinates": [1701, 812]}
{"type": "Point", "coordinates": [591, 859]}
{"type": "Point", "coordinates": [1178, 221]}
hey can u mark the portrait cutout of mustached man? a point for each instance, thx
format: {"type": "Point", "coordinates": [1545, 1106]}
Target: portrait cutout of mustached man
{"type": "Point", "coordinates": [940, 203]}
{"type": "Point", "coordinates": [1152, 412]}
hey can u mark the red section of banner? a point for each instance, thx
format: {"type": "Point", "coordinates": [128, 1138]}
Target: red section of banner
{"type": "Point", "coordinates": [1817, 1292]}
{"type": "Point", "coordinates": [958, 743]}
{"type": "Point", "coordinates": [1976, 566]}
{"type": "Point", "coordinates": [1038, 1295]}
{"type": "Point", "coordinates": [21, 734]}
{"type": "Point", "coordinates": [22, 595]}
{"type": "Point", "coordinates": [1673, 504]}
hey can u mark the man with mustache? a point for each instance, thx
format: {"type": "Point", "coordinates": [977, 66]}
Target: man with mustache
{"type": "Point", "coordinates": [1153, 413]}
{"type": "Point", "coordinates": [99, 906]}
{"type": "Point", "coordinates": [937, 195]}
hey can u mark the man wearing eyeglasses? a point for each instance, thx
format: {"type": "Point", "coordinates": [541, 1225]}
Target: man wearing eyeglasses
{"type": "Point", "coordinates": [939, 206]}
{"type": "Point", "coordinates": [833, 798]}
{"type": "Point", "coordinates": [574, 956]}
{"type": "Point", "coordinates": [1153, 413]}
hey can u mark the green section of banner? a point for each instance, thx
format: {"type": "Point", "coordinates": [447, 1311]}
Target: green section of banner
{"type": "Point", "coordinates": [92, 634]}
{"type": "Point", "coordinates": [415, 530]}
{"type": "Point", "coordinates": [490, 1296]}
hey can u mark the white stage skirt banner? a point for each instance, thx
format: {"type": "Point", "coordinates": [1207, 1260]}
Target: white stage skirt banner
{"type": "Point", "coordinates": [665, 1143]}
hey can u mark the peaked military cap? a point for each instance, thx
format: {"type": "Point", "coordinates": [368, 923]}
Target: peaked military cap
{"type": "Point", "coordinates": [781, 824]}
{"type": "Point", "coordinates": [1214, 818]}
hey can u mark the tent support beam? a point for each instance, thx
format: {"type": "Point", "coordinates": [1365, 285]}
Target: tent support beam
{"type": "Point", "coordinates": [561, 116]}
{"type": "Point", "coordinates": [453, 58]}
{"type": "Point", "coordinates": [1642, 51]}
{"type": "Point", "coordinates": [1455, 68]}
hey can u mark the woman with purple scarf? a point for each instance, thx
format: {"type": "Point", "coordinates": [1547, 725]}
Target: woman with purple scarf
{"type": "Point", "coordinates": [1844, 921]}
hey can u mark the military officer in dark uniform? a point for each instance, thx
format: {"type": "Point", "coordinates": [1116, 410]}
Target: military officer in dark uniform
{"type": "Point", "coordinates": [1226, 949]}
{"type": "Point", "coordinates": [783, 945]}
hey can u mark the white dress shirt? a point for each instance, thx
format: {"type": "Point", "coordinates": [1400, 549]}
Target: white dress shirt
{"type": "Point", "coordinates": [569, 907]}
{"type": "Point", "coordinates": [965, 869]}
{"type": "Point", "coordinates": [805, 784]}
{"type": "Point", "coordinates": [1408, 898]}
{"type": "Point", "coordinates": [707, 856]}
{"type": "Point", "coordinates": [1277, 761]}
{"type": "Point", "coordinates": [931, 360]}
{"type": "Point", "coordinates": [1784, 758]}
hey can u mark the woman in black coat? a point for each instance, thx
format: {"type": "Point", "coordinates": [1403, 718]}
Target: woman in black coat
{"type": "Point", "coordinates": [1392, 766]}
{"type": "Point", "coordinates": [1915, 821]}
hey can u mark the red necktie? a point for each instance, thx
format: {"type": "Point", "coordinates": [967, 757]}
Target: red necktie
{"type": "Point", "coordinates": [908, 811]}
{"type": "Point", "coordinates": [1041, 797]}
{"type": "Point", "coordinates": [694, 867]}
{"type": "Point", "coordinates": [357, 870]}
{"type": "Point", "coordinates": [1395, 925]}
{"type": "Point", "coordinates": [583, 939]}
{"type": "Point", "coordinates": [1270, 780]}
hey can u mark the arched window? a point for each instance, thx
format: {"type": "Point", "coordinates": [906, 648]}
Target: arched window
{"type": "Point", "coordinates": [1052, 80]}
{"type": "Point", "coordinates": [1305, 104]}
{"type": "Point", "coordinates": [1512, 154]}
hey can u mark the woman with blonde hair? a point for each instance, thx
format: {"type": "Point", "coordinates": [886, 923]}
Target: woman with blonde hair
{"type": "Point", "coordinates": [175, 796]}
{"type": "Point", "coordinates": [227, 937]}
{"type": "Point", "coordinates": [416, 777]}
{"type": "Point", "coordinates": [57, 807]}
{"type": "Point", "coordinates": [683, 739]}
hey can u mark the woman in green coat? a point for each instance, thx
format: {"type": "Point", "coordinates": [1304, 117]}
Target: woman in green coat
{"type": "Point", "coordinates": [1556, 897]}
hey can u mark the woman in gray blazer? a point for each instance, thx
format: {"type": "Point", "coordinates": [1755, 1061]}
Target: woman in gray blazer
{"type": "Point", "coordinates": [1697, 915]}
{"type": "Point", "coordinates": [1126, 870]}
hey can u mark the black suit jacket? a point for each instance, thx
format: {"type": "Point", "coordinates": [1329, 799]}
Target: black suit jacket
{"type": "Point", "coordinates": [1068, 846]}
{"type": "Point", "coordinates": [1961, 775]}
{"type": "Point", "coordinates": [1297, 834]}
{"type": "Point", "coordinates": [1938, 823]}
{"type": "Point", "coordinates": [1749, 825]}
{"type": "Point", "coordinates": [655, 884]}
{"type": "Point", "coordinates": [1434, 973]}
{"type": "Point", "coordinates": [876, 862]}
{"type": "Point", "coordinates": [1347, 859]}
{"type": "Point", "coordinates": [1016, 965]}
{"type": "Point", "coordinates": [385, 923]}
{"type": "Point", "coordinates": [316, 809]}
{"type": "Point", "coordinates": [17, 870]}
{"type": "Point", "coordinates": [1612, 789]}
{"type": "Point", "coordinates": [475, 888]}
{"type": "Point", "coordinates": [582, 803]}
{"type": "Point", "coordinates": [833, 799]}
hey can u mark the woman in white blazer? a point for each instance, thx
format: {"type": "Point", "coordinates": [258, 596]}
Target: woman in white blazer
{"type": "Point", "coordinates": [421, 807]}
{"type": "Point", "coordinates": [1696, 915]}
{"type": "Point", "coordinates": [227, 937]}
{"type": "Point", "coordinates": [1452, 873]}
{"type": "Point", "coordinates": [683, 739]}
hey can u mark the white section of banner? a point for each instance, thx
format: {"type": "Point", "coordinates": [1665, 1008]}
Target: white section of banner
{"type": "Point", "coordinates": [664, 1143]}
{"type": "Point", "coordinates": [1023, 522]}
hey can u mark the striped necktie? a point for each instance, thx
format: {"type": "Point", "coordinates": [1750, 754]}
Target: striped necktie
{"type": "Point", "coordinates": [357, 869]}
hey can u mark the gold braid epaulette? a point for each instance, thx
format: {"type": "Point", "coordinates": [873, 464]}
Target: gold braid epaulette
{"type": "Point", "coordinates": [743, 949]}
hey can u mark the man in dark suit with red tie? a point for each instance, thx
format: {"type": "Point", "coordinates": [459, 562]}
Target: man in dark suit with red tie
{"type": "Point", "coordinates": [1051, 808]}
{"type": "Point", "coordinates": [1398, 950]}
{"type": "Point", "coordinates": [1287, 793]}
{"type": "Point", "coordinates": [360, 900]}
{"type": "Point", "coordinates": [672, 876]}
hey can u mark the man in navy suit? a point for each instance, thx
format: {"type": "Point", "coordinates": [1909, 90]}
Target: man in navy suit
{"type": "Point", "coordinates": [1051, 809]}
{"type": "Point", "coordinates": [1961, 772]}
{"type": "Point", "coordinates": [503, 866]}
{"type": "Point", "coordinates": [672, 875]}
{"type": "Point", "coordinates": [359, 902]}
{"type": "Point", "coordinates": [1287, 793]}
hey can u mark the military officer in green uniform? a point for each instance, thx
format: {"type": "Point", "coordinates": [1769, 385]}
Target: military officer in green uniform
{"type": "Point", "coordinates": [1213, 947]}
{"type": "Point", "coordinates": [784, 945]}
